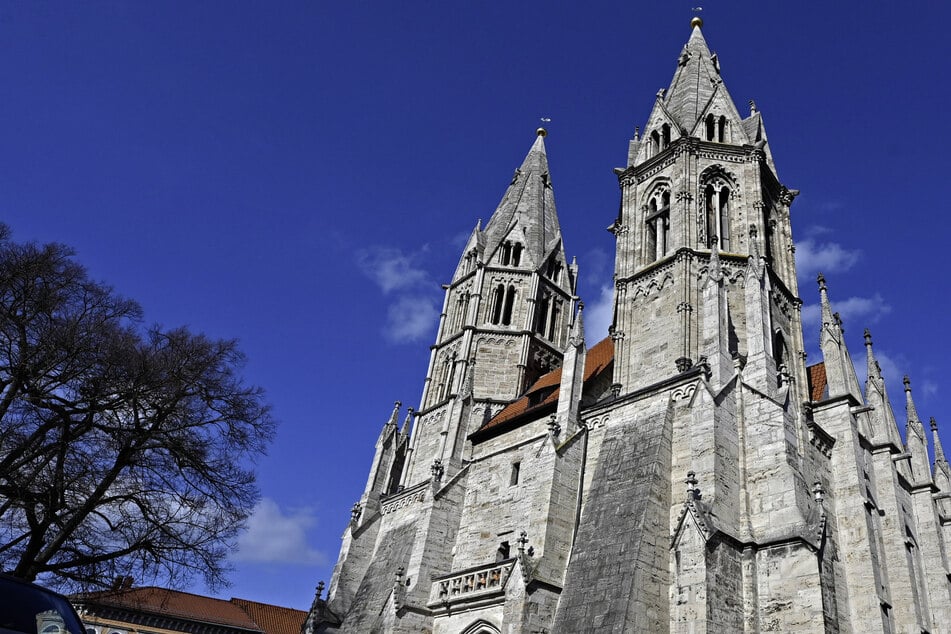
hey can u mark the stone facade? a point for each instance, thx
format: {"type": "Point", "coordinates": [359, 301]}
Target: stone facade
{"type": "Point", "coordinates": [687, 474]}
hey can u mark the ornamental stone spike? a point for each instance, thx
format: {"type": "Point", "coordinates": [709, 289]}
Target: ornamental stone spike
{"type": "Point", "coordinates": [915, 438]}
{"type": "Point", "coordinates": [873, 369]}
{"type": "Point", "coordinates": [407, 422]}
{"type": "Point", "coordinates": [882, 417]}
{"type": "Point", "coordinates": [938, 449]}
{"type": "Point", "coordinates": [910, 410]}
{"type": "Point", "coordinates": [826, 307]}
{"type": "Point", "coordinates": [840, 371]}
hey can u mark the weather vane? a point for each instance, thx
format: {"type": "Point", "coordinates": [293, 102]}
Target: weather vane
{"type": "Point", "coordinates": [546, 120]}
{"type": "Point", "coordinates": [697, 9]}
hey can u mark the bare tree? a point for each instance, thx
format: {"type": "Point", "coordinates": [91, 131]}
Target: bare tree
{"type": "Point", "coordinates": [124, 451]}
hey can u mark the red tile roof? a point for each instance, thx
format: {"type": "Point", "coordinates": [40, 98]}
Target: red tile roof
{"type": "Point", "coordinates": [538, 397]}
{"type": "Point", "coordinates": [273, 619]}
{"type": "Point", "coordinates": [236, 613]}
{"type": "Point", "coordinates": [817, 381]}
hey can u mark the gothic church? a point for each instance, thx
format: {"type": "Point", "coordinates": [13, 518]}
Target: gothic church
{"type": "Point", "coordinates": [689, 473]}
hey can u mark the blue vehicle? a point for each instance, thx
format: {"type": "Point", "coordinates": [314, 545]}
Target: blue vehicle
{"type": "Point", "coordinates": [26, 608]}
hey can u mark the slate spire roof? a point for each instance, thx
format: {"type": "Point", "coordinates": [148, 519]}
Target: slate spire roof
{"type": "Point", "coordinates": [694, 82]}
{"type": "Point", "coordinates": [529, 203]}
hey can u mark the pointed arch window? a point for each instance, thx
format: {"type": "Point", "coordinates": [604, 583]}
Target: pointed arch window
{"type": "Point", "coordinates": [445, 375]}
{"type": "Point", "coordinates": [509, 305]}
{"type": "Point", "coordinates": [665, 135]}
{"type": "Point", "coordinates": [553, 271]}
{"type": "Point", "coordinates": [462, 309]}
{"type": "Point", "coordinates": [498, 299]}
{"type": "Point", "coordinates": [717, 196]}
{"type": "Point", "coordinates": [510, 253]}
{"type": "Point", "coordinates": [541, 314]}
{"type": "Point", "coordinates": [657, 233]}
{"type": "Point", "coordinates": [655, 142]}
{"type": "Point", "coordinates": [553, 321]}
{"type": "Point", "coordinates": [715, 128]}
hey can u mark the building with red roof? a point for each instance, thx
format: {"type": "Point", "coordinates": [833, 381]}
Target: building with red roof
{"type": "Point", "coordinates": [151, 610]}
{"type": "Point", "coordinates": [689, 473]}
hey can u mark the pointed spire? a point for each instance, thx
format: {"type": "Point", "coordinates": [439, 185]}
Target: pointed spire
{"type": "Point", "coordinates": [938, 449]}
{"type": "Point", "coordinates": [873, 371]}
{"type": "Point", "coordinates": [838, 364]}
{"type": "Point", "coordinates": [396, 411]}
{"type": "Point", "coordinates": [576, 336]}
{"type": "Point", "coordinates": [407, 422]}
{"type": "Point", "coordinates": [884, 425]}
{"type": "Point", "coordinates": [530, 203]}
{"type": "Point", "coordinates": [694, 82]}
{"type": "Point", "coordinates": [911, 412]}
{"type": "Point", "coordinates": [824, 304]}
{"type": "Point", "coordinates": [571, 386]}
{"type": "Point", "coordinates": [915, 438]}
{"type": "Point", "coordinates": [389, 427]}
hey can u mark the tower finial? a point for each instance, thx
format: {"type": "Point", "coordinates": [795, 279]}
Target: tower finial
{"type": "Point", "coordinates": [938, 449]}
{"type": "Point", "coordinates": [542, 132]}
{"type": "Point", "coordinates": [696, 22]}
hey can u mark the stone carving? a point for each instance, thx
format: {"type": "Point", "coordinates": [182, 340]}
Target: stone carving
{"type": "Point", "coordinates": [471, 584]}
{"type": "Point", "coordinates": [402, 500]}
{"type": "Point", "coordinates": [683, 392]}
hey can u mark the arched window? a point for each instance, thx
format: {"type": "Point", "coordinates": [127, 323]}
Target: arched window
{"type": "Point", "coordinates": [462, 309]}
{"type": "Point", "coordinates": [516, 254]}
{"type": "Point", "coordinates": [657, 232]}
{"type": "Point", "coordinates": [509, 304]}
{"type": "Point", "coordinates": [717, 197]}
{"type": "Point", "coordinates": [450, 375]}
{"type": "Point", "coordinates": [498, 296]}
{"type": "Point", "coordinates": [710, 127]}
{"type": "Point", "coordinates": [665, 134]}
{"type": "Point", "coordinates": [655, 142]}
{"type": "Point", "coordinates": [553, 322]}
{"type": "Point", "coordinates": [779, 348]}
{"type": "Point", "coordinates": [721, 129]}
{"type": "Point", "coordinates": [650, 236]}
{"type": "Point", "coordinates": [541, 315]}
{"type": "Point", "coordinates": [505, 254]}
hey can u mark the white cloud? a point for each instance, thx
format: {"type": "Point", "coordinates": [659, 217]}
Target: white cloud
{"type": "Point", "coordinates": [392, 269]}
{"type": "Point", "coordinates": [596, 265]}
{"type": "Point", "coordinates": [891, 372]}
{"type": "Point", "coordinates": [413, 312]}
{"type": "Point", "coordinates": [410, 318]}
{"type": "Point", "coordinates": [856, 312]}
{"type": "Point", "coordinates": [817, 230]}
{"type": "Point", "coordinates": [813, 257]}
{"type": "Point", "coordinates": [598, 316]}
{"type": "Point", "coordinates": [275, 537]}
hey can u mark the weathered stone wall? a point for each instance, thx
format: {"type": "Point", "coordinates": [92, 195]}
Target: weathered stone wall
{"type": "Point", "coordinates": [617, 577]}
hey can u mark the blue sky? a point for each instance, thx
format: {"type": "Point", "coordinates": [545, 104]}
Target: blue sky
{"type": "Point", "coordinates": [302, 176]}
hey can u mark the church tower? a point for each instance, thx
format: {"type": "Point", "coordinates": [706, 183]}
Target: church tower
{"type": "Point", "coordinates": [504, 322]}
{"type": "Point", "coordinates": [701, 182]}
{"type": "Point", "coordinates": [686, 474]}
